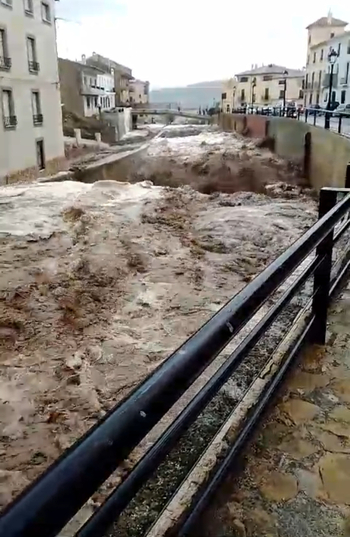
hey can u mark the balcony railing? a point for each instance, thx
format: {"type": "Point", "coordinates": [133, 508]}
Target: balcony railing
{"type": "Point", "coordinates": [10, 122]}
{"type": "Point", "coordinates": [34, 67]}
{"type": "Point", "coordinates": [38, 119]}
{"type": "Point", "coordinates": [5, 63]}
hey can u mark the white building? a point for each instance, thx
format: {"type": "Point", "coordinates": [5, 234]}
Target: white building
{"type": "Point", "coordinates": [105, 82]}
{"type": "Point", "coordinates": [31, 137]}
{"type": "Point", "coordinates": [139, 92]}
{"type": "Point", "coordinates": [323, 35]}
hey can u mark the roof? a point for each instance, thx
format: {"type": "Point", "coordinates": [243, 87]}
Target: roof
{"type": "Point", "coordinates": [273, 69]}
{"type": "Point", "coordinates": [327, 21]}
{"type": "Point", "coordinates": [110, 64]}
{"type": "Point", "coordinates": [83, 66]}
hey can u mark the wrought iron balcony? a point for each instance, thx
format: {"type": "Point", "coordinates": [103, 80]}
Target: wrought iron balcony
{"type": "Point", "coordinates": [5, 63]}
{"type": "Point", "coordinates": [38, 119]}
{"type": "Point", "coordinates": [34, 67]}
{"type": "Point", "coordinates": [10, 122]}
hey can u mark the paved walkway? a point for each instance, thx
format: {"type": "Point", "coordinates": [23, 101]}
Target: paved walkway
{"type": "Point", "coordinates": [297, 477]}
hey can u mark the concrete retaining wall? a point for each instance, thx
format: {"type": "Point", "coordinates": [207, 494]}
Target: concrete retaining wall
{"type": "Point", "coordinates": [329, 155]}
{"type": "Point", "coordinates": [121, 120]}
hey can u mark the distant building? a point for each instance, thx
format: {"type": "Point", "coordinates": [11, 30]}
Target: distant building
{"type": "Point", "coordinates": [324, 34]}
{"type": "Point", "coordinates": [122, 76]}
{"type": "Point", "coordinates": [85, 90]}
{"type": "Point", "coordinates": [139, 92]}
{"type": "Point", "coordinates": [228, 95]}
{"type": "Point", "coordinates": [265, 85]}
{"type": "Point", "coordinates": [31, 137]}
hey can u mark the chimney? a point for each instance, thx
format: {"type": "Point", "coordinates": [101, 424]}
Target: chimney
{"type": "Point", "coordinates": [329, 17]}
{"type": "Point", "coordinates": [83, 59]}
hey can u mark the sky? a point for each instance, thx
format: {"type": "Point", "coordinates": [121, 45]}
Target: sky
{"type": "Point", "coordinates": [180, 42]}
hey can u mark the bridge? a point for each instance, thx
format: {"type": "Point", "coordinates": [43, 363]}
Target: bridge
{"type": "Point", "coordinates": [166, 111]}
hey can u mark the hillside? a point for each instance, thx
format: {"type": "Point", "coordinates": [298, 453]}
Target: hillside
{"type": "Point", "coordinates": [192, 96]}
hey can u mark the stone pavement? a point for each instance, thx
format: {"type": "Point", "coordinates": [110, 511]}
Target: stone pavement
{"type": "Point", "coordinates": [296, 481]}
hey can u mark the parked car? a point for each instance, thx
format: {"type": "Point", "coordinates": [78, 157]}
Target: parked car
{"type": "Point", "coordinates": [342, 110]}
{"type": "Point", "coordinates": [315, 110]}
{"type": "Point", "coordinates": [333, 105]}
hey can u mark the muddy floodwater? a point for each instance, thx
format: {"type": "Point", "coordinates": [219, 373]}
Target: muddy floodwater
{"type": "Point", "coordinates": [100, 282]}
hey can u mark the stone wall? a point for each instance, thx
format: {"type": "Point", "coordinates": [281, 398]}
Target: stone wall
{"type": "Point", "coordinates": [329, 151]}
{"type": "Point", "coordinates": [29, 174]}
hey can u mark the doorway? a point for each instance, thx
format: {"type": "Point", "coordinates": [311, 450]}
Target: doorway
{"type": "Point", "coordinates": [40, 154]}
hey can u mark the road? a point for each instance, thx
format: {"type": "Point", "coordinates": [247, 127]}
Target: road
{"type": "Point", "coordinates": [320, 120]}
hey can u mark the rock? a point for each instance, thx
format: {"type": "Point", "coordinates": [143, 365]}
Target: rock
{"type": "Point", "coordinates": [340, 429]}
{"type": "Point", "coordinates": [335, 473]}
{"type": "Point", "coordinates": [279, 487]}
{"type": "Point", "coordinates": [239, 528]}
{"type": "Point", "coordinates": [297, 448]}
{"type": "Point", "coordinates": [331, 442]}
{"type": "Point", "coordinates": [299, 411]}
{"type": "Point", "coordinates": [259, 522]}
{"type": "Point", "coordinates": [341, 413]}
{"type": "Point", "coordinates": [308, 382]}
{"type": "Point", "coordinates": [310, 483]}
{"type": "Point", "coordinates": [341, 388]}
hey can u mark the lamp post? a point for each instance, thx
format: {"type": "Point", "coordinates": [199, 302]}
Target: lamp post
{"type": "Point", "coordinates": [253, 86]}
{"type": "Point", "coordinates": [285, 74]}
{"type": "Point", "coordinates": [332, 58]}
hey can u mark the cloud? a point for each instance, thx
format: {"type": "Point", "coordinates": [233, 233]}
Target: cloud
{"type": "Point", "coordinates": [177, 42]}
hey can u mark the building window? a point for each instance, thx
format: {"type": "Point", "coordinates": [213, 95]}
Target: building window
{"type": "Point", "coordinates": [32, 57]}
{"type": "Point", "coordinates": [28, 7]}
{"type": "Point", "coordinates": [332, 34]}
{"type": "Point", "coordinates": [40, 154]}
{"type": "Point", "coordinates": [36, 107]}
{"type": "Point", "coordinates": [307, 81]}
{"type": "Point", "coordinates": [309, 39]}
{"type": "Point", "coordinates": [321, 54]}
{"type": "Point", "coordinates": [347, 73]}
{"type": "Point", "coordinates": [308, 59]}
{"type": "Point", "coordinates": [88, 102]}
{"type": "Point", "coordinates": [8, 109]}
{"type": "Point", "coordinates": [266, 94]}
{"type": "Point", "coordinates": [267, 77]}
{"type": "Point", "coordinates": [310, 98]}
{"type": "Point", "coordinates": [348, 50]}
{"type": "Point", "coordinates": [339, 49]}
{"type": "Point", "coordinates": [242, 96]}
{"type": "Point", "coordinates": [228, 108]}
{"type": "Point", "coordinates": [5, 61]}
{"type": "Point", "coordinates": [243, 79]}
{"type": "Point", "coordinates": [281, 94]}
{"type": "Point", "coordinates": [223, 96]}
{"type": "Point", "coordinates": [7, 3]}
{"type": "Point", "coordinates": [301, 94]}
{"type": "Point", "coordinates": [45, 12]}
{"type": "Point", "coordinates": [315, 55]}
{"type": "Point", "coordinates": [312, 80]}
{"type": "Point", "coordinates": [343, 96]}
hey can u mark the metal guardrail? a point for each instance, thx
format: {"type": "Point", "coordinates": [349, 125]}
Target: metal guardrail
{"type": "Point", "coordinates": [51, 501]}
{"type": "Point", "coordinates": [317, 116]}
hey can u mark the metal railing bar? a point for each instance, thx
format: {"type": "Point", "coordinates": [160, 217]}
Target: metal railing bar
{"type": "Point", "coordinates": [52, 500]}
{"type": "Point", "coordinates": [243, 435]}
{"type": "Point", "coordinates": [121, 497]}
{"type": "Point", "coordinates": [341, 231]}
{"type": "Point", "coordinates": [340, 275]}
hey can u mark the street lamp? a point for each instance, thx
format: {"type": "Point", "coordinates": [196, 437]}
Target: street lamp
{"type": "Point", "coordinates": [285, 74]}
{"type": "Point", "coordinates": [332, 58]}
{"type": "Point", "coordinates": [253, 86]}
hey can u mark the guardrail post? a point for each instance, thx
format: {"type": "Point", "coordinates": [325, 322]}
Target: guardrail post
{"type": "Point", "coordinates": [339, 123]}
{"type": "Point", "coordinates": [347, 176]}
{"type": "Point", "coordinates": [315, 117]}
{"type": "Point", "coordinates": [322, 277]}
{"type": "Point", "coordinates": [306, 114]}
